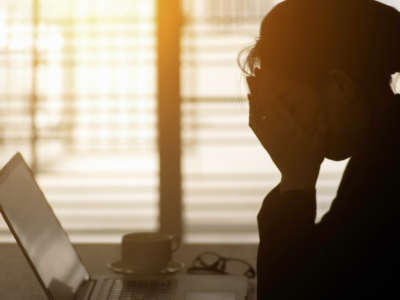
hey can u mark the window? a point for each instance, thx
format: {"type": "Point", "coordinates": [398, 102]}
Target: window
{"type": "Point", "coordinates": [79, 98]}
{"type": "Point", "coordinates": [77, 89]}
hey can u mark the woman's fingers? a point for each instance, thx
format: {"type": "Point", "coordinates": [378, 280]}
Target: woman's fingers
{"type": "Point", "coordinates": [250, 98]}
{"type": "Point", "coordinates": [278, 118]}
{"type": "Point", "coordinates": [288, 122]}
{"type": "Point", "coordinates": [270, 131]}
{"type": "Point", "coordinates": [251, 83]}
{"type": "Point", "coordinates": [277, 129]}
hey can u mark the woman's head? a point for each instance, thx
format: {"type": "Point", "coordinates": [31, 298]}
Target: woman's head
{"type": "Point", "coordinates": [345, 51]}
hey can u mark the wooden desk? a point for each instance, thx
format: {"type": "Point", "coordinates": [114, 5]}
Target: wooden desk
{"type": "Point", "coordinates": [17, 281]}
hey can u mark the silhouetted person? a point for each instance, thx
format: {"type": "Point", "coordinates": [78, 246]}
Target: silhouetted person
{"type": "Point", "coordinates": [319, 77]}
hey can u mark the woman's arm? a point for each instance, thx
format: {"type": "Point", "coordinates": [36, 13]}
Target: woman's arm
{"type": "Point", "coordinates": [351, 252]}
{"type": "Point", "coordinates": [286, 228]}
{"type": "Point", "coordinates": [286, 220]}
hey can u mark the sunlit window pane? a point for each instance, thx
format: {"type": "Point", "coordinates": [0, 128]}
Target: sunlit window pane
{"type": "Point", "coordinates": [84, 115]}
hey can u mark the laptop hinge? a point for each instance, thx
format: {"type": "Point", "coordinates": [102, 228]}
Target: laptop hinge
{"type": "Point", "coordinates": [85, 290]}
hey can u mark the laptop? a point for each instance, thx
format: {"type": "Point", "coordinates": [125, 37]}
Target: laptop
{"type": "Point", "coordinates": [59, 268]}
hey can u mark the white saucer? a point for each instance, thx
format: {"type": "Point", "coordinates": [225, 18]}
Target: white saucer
{"type": "Point", "coordinates": [172, 267]}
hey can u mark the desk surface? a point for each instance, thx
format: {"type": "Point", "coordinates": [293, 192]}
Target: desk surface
{"type": "Point", "coordinates": [17, 280]}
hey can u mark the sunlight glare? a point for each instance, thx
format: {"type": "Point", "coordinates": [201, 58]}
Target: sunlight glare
{"type": "Point", "coordinates": [395, 84]}
{"type": "Point", "coordinates": [146, 9]}
{"type": "Point", "coordinates": [3, 29]}
{"type": "Point", "coordinates": [50, 38]}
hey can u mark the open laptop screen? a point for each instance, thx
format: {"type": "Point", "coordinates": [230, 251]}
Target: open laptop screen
{"type": "Point", "coordinates": [39, 232]}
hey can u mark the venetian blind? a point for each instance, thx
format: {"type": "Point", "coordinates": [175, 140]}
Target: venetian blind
{"type": "Point", "coordinates": [77, 98]}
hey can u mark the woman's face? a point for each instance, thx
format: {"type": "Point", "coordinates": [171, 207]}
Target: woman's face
{"type": "Point", "coordinates": [332, 108]}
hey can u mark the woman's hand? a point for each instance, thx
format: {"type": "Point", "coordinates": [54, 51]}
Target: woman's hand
{"type": "Point", "coordinates": [298, 153]}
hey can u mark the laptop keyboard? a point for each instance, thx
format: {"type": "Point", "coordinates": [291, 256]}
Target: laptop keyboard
{"type": "Point", "coordinates": [141, 289]}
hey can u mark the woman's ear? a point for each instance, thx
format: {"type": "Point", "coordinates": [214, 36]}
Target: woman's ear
{"type": "Point", "coordinates": [340, 87]}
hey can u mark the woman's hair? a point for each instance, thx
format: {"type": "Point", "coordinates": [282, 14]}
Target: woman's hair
{"type": "Point", "coordinates": [307, 38]}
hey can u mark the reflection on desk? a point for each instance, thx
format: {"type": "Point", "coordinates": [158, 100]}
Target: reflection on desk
{"type": "Point", "coordinates": [17, 280]}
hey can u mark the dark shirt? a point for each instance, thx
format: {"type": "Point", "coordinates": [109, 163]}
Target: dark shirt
{"type": "Point", "coordinates": [353, 252]}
